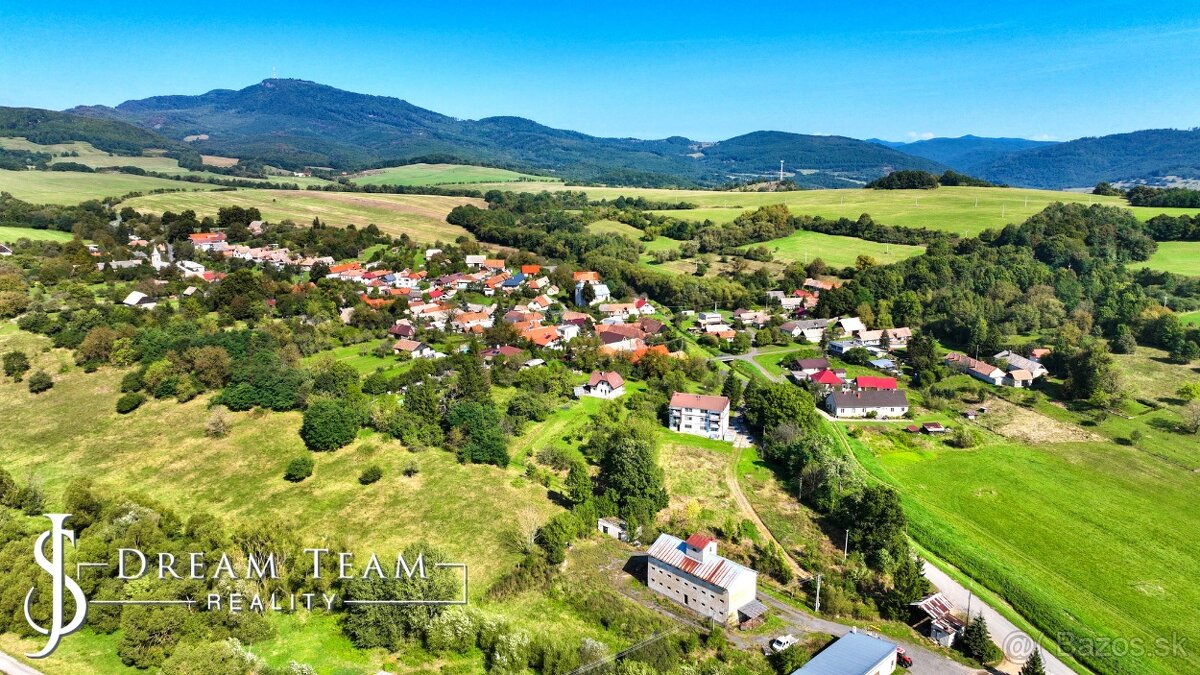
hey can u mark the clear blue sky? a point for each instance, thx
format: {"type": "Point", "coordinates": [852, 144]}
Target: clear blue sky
{"type": "Point", "coordinates": [707, 71]}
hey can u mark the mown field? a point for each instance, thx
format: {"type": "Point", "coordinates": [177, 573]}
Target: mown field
{"type": "Point", "coordinates": [71, 187]}
{"type": "Point", "coordinates": [962, 210]}
{"type": "Point", "coordinates": [1080, 527]}
{"type": "Point", "coordinates": [1180, 257]}
{"type": "Point", "coordinates": [422, 217]}
{"type": "Point", "coordinates": [11, 234]}
{"type": "Point", "coordinates": [444, 174]}
{"type": "Point", "coordinates": [803, 245]}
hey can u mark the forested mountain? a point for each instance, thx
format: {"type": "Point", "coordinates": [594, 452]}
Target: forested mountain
{"type": "Point", "coordinates": [1140, 155]}
{"type": "Point", "coordinates": [48, 127]}
{"type": "Point", "coordinates": [965, 153]}
{"type": "Point", "coordinates": [294, 123]}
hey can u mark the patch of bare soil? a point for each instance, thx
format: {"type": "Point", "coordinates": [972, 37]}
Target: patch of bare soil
{"type": "Point", "coordinates": [1031, 427]}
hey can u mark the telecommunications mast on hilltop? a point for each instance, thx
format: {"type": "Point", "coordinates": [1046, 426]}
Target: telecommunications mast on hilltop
{"type": "Point", "coordinates": [781, 171]}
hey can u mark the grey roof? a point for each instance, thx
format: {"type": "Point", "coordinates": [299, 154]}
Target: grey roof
{"type": "Point", "coordinates": [852, 654]}
{"type": "Point", "coordinates": [893, 398]}
{"type": "Point", "coordinates": [1018, 362]}
{"type": "Point", "coordinates": [752, 610]}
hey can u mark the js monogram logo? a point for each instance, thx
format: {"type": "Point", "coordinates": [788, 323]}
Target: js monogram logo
{"type": "Point", "coordinates": [62, 584]}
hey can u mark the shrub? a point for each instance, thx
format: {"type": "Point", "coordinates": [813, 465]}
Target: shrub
{"type": "Point", "coordinates": [328, 425]}
{"type": "Point", "coordinates": [218, 422]}
{"type": "Point", "coordinates": [370, 474]}
{"type": "Point", "coordinates": [130, 402]}
{"type": "Point", "coordinates": [298, 469]}
{"type": "Point", "coordinates": [39, 382]}
{"type": "Point", "coordinates": [15, 365]}
{"type": "Point", "coordinates": [411, 469]}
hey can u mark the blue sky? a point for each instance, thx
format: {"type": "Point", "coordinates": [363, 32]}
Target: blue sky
{"type": "Point", "coordinates": [703, 70]}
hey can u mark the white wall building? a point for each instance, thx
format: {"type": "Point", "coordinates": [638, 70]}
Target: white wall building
{"type": "Point", "coordinates": [693, 575]}
{"type": "Point", "coordinates": [699, 415]}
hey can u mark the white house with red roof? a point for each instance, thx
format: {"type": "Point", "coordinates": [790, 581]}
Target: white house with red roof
{"type": "Point", "coordinates": [692, 574]}
{"type": "Point", "coordinates": [699, 415]}
{"type": "Point", "coordinates": [602, 384]}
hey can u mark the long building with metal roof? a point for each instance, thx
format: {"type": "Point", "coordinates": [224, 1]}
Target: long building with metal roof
{"type": "Point", "coordinates": [692, 574]}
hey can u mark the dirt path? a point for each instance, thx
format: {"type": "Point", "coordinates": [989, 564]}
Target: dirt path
{"type": "Point", "coordinates": [740, 442]}
{"type": "Point", "coordinates": [11, 666]}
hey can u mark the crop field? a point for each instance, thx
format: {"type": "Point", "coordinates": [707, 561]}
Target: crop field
{"type": "Point", "coordinates": [71, 187]}
{"type": "Point", "coordinates": [422, 217]}
{"type": "Point", "coordinates": [1179, 257]}
{"type": "Point", "coordinates": [962, 210]}
{"type": "Point", "coordinates": [444, 174]}
{"type": "Point", "coordinates": [11, 234]}
{"type": "Point", "coordinates": [1082, 532]}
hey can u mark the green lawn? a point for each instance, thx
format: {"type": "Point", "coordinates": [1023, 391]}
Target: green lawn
{"type": "Point", "coordinates": [423, 217]}
{"type": "Point", "coordinates": [962, 210]}
{"type": "Point", "coordinates": [444, 174]}
{"type": "Point", "coordinates": [11, 234]}
{"type": "Point", "coordinates": [71, 187]}
{"type": "Point", "coordinates": [1180, 257]}
{"type": "Point", "coordinates": [803, 246]}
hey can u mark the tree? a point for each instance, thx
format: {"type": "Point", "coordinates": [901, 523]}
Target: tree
{"type": "Point", "coordinates": [473, 383]}
{"type": "Point", "coordinates": [628, 468]}
{"type": "Point", "coordinates": [732, 389]}
{"type": "Point", "coordinates": [1033, 665]}
{"type": "Point", "coordinates": [39, 382]}
{"type": "Point", "coordinates": [579, 483]}
{"type": "Point", "coordinates": [771, 404]}
{"type": "Point", "coordinates": [1191, 417]}
{"type": "Point", "coordinates": [149, 634]}
{"type": "Point", "coordinates": [977, 641]}
{"type": "Point", "coordinates": [875, 521]}
{"type": "Point", "coordinates": [16, 364]}
{"type": "Point", "coordinates": [370, 625]}
{"type": "Point", "coordinates": [329, 424]}
{"type": "Point", "coordinates": [1189, 391]}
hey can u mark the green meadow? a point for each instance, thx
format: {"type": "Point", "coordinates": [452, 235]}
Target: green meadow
{"type": "Point", "coordinates": [803, 246]}
{"type": "Point", "coordinates": [11, 234]}
{"type": "Point", "coordinates": [1079, 525]}
{"type": "Point", "coordinates": [422, 217]}
{"type": "Point", "coordinates": [1179, 257]}
{"type": "Point", "coordinates": [71, 187]}
{"type": "Point", "coordinates": [444, 174]}
{"type": "Point", "coordinates": [961, 210]}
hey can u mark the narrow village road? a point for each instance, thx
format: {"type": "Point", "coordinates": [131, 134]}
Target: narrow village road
{"type": "Point", "coordinates": [1017, 644]}
{"type": "Point", "coordinates": [11, 666]}
{"type": "Point", "coordinates": [748, 357]}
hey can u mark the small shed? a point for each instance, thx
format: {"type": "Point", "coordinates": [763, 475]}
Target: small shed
{"type": "Point", "coordinates": [944, 624]}
{"type": "Point", "coordinates": [614, 527]}
{"type": "Point", "coordinates": [752, 615]}
{"type": "Point", "coordinates": [934, 428]}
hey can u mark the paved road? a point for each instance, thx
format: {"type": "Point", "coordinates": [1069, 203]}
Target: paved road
{"type": "Point", "coordinates": [748, 357]}
{"type": "Point", "coordinates": [11, 666]}
{"type": "Point", "coordinates": [1017, 644]}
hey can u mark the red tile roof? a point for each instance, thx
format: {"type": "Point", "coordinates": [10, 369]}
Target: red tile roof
{"type": "Point", "coordinates": [827, 377]}
{"type": "Point", "coordinates": [869, 382]}
{"type": "Point", "coordinates": [613, 379]}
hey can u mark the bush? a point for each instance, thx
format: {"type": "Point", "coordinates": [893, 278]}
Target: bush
{"type": "Point", "coordinates": [411, 469]}
{"type": "Point", "coordinates": [130, 402]}
{"type": "Point", "coordinates": [298, 469]}
{"type": "Point", "coordinates": [15, 365]}
{"type": "Point", "coordinates": [370, 474]}
{"type": "Point", "coordinates": [328, 425]}
{"type": "Point", "coordinates": [39, 382]}
{"type": "Point", "coordinates": [218, 422]}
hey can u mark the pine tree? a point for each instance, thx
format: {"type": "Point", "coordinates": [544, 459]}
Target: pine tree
{"type": "Point", "coordinates": [1034, 666]}
{"type": "Point", "coordinates": [732, 390]}
{"type": "Point", "coordinates": [977, 641]}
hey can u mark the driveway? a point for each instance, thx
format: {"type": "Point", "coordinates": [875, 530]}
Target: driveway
{"type": "Point", "coordinates": [11, 666]}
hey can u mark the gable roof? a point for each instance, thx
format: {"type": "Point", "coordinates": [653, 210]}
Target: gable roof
{"type": "Point", "coordinates": [827, 377]}
{"type": "Point", "coordinates": [716, 570]}
{"type": "Point", "coordinates": [887, 398]}
{"type": "Point", "coordinates": [613, 379]}
{"type": "Point", "coordinates": [854, 653]}
{"type": "Point", "coordinates": [872, 382]}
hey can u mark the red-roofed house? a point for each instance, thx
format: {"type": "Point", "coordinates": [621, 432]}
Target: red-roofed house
{"type": "Point", "coordinates": [602, 385]}
{"type": "Point", "coordinates": [417, 350]}
{"type": "Point", "coordinates": [530, 270]}
{"type": "Point", "coordinates": [875, 383]}
{"type": "Point", "coordinates": [699, 415]}
{"type": "Point", "coordinates": [208, 241]}
{"type": "Point", "coordinates": [543, 336]}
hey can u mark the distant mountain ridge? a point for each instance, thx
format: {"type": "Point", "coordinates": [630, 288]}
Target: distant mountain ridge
{"type": "Point", "coordinates": [967, 154]}
{"type": "Point", "coordinates": [295, 123]}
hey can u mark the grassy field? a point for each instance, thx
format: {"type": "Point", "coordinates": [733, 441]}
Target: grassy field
{"type": "Point", "coordinates": [88, 155]}
{"type": "Point", "coordinates": [422, 217]}
{"type": "Point", "coordinates": [616, 227]}
{"type": "Point", "coordinates": [1180, 257]}
{"type": "Point", "coordinates": [11, 234]}
{"type": "Point", "coordinates": [70, 187]}
{"type": "Point", "coordinates": [803, 245]}
{"type": "Point", "coordinates": [444, 174]}
{"type": "Point", "coordinates": [962, 210]}
{"type": "Point", "coordinates": [1079, 526]}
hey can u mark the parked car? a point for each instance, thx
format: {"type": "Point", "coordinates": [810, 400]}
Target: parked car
{"type": "Point", "coordinates": [783, 642]}
{"type": "Point", "coordinates": [903, 660]}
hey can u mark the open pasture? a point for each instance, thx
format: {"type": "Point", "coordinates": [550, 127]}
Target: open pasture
{"type": "Point", "coordinates": [422, 217]}
{"type": "Point", "coordinates": [444, 174]}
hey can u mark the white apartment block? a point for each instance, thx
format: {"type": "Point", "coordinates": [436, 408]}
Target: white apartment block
{"type": "Point", "coordinates": [699, 415]}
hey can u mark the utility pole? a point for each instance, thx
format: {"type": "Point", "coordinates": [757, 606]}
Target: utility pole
{"type": "Point", "coordinates": [817, 604]}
